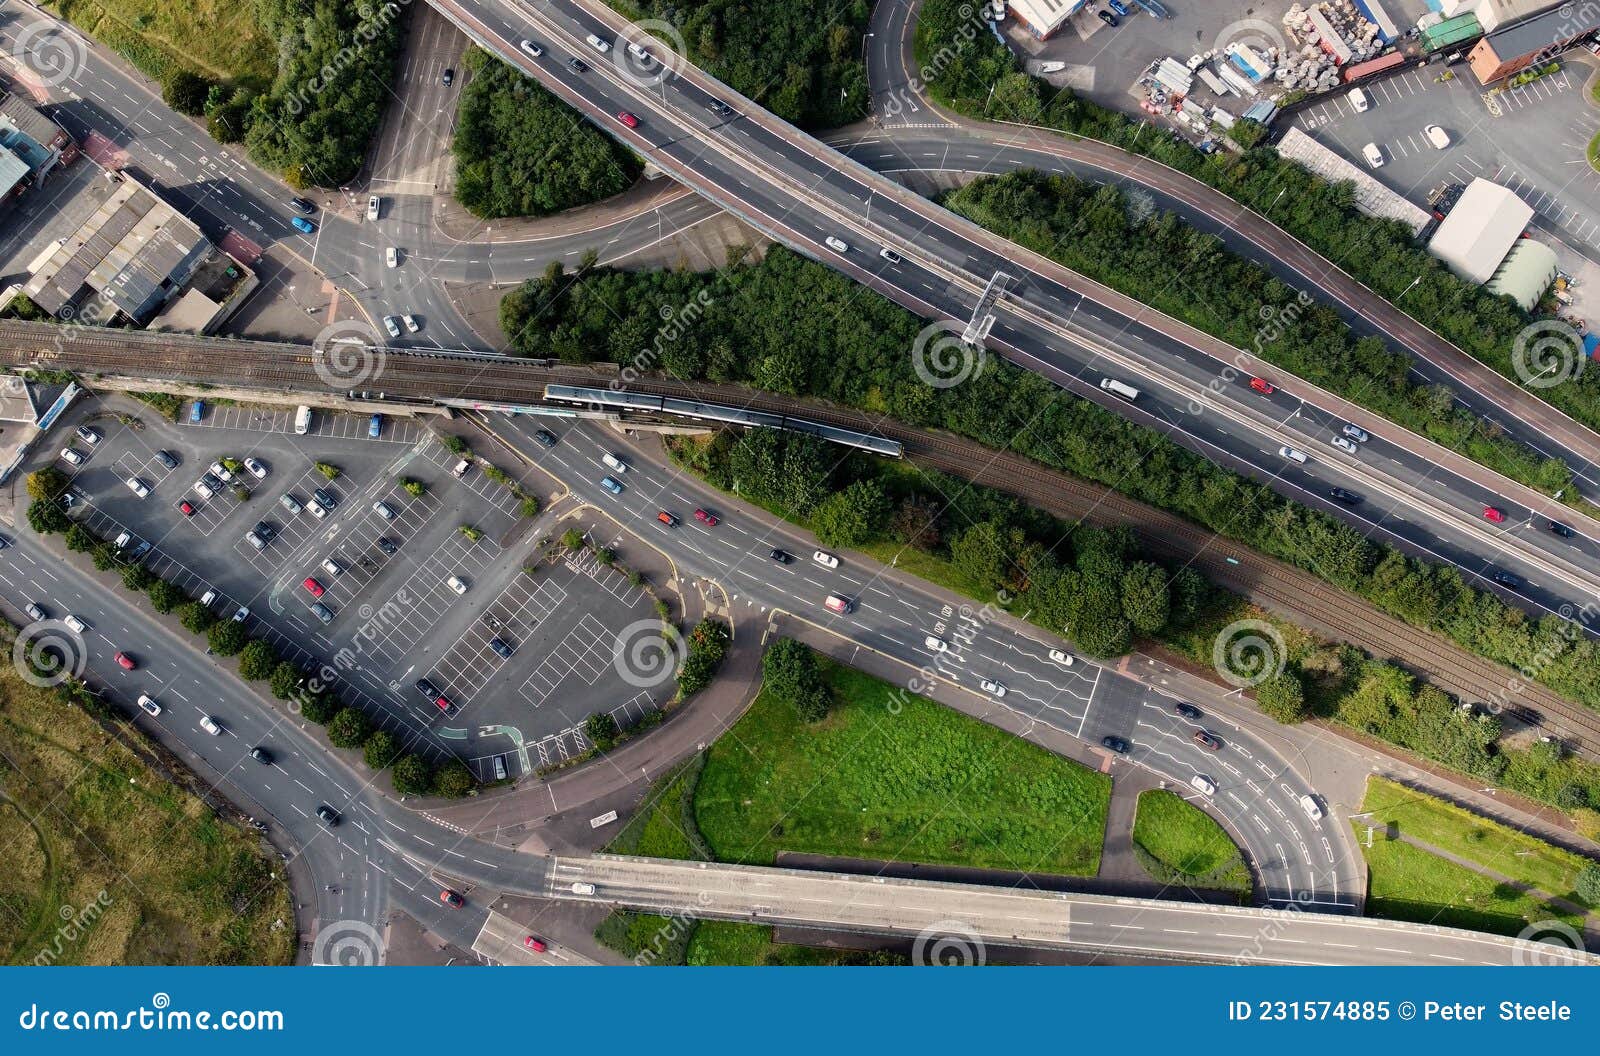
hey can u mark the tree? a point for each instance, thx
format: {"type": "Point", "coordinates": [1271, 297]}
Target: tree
{"type": "Point", "coordinates": [104, 556]}
{"type": "Point", "coordinates": [982, 554]}
{"type": "Point", "coordinates": [257, 661]}
{"type": "Point", "coordinates": [165, 596]}
{"type": "Point", "coordinates": [80, 539]}
{"type": "Point", "coordinates": [602, 730]}
{"type": "Point", "coordinates": [329, 470]}
{"type": "Point", "coordinates": [413, 487]}
{"type": "Point", "coordinates": [853, 516]}
{"type": "Point", "coordinates": [186, 92]}
{"type": "Point", "coordinates": [137, 577]}
{"type": "Point", "coordinates": [1145, 601]}
{"type": "Point", "coordinates": [46, 516]}
{"type": "Point", "coordinates": [573, 539]}
{"type": "Point", "coordinates": [47, 482]}
{"type": "Point", "coordinates": [790, 672]}
{"type": "Point", "coordinates": [381, 750]}
{"type": "Point", "coordinates": [196, 617]}
{"type": "Point", "coordinates": [1282, 697]}
{"type": "Point", "coordinates": [412, 776]}
{"type": "Point", "coordinates": [349, 729]}
{"type": "Point", "coordinates": [453, 780]}
{"type": "Point", "coordinates": [319, 708]}
{"type": "Point", "coordinates": [227, 637]}
{"type": "Point", "coordinates": [1588, 885]}
{"type": "Point", "coordinates": [285, 680]}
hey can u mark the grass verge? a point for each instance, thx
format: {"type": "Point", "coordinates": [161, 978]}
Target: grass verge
{"type": "Point", "coordinates": [218, 37]}
{"type": "Point", "coordinates": [1177, 843]}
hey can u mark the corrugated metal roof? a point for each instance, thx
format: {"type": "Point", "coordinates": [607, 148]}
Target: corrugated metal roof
{"type": "Point", "coordinates": [1543, 31]}
{"type": "Point", "coordinates": [1526, 273]}
{"type": "Point", "coordinates": [1478, 233]}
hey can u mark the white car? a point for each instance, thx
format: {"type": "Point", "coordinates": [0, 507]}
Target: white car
{"type": "Point", "coordinates": [221, 472]}
{"type": "Point", "coordinates": [825, 559]}
{"type": "Point", "coordinates": [88, 434]}
{"type": "Point", "coordinates": [1344, 444]}
{"type": "Point", "coordinates": [838, 245]}
{"type": "Point", "coordinates": [598, 45]}
{"type": "Point", "coordinates": [382, 510]}
{"type": "Point", "coordinates": [33, 610]}
{"type": "Point", "coordinates": [581, 888]}
{"type": "Point", "coordinates": [1437, 136]}
{"type": "Point", "coordinates": [256, 467]}
{"type": "Point", "coordinates": [255, 540]}
{"type": "Point", "coordinates": [411, 324]}
{"type": "Point", "coordinates": [1356, 433]}
{"type": "Point", "coordinates": [1309, 805]}
{"type": "Point", "coordinates": [71, 457]}
{"type": "Point", "coordinates": [209, 724]}
{"type": "Point", "coordinates": [1358, 100]}
{"type": "Point", "coordinates": [457, 585]}
{"type": "Point", "coordinates": [73, 622]}
{"type": "Point", "coordinates": [937, 645]}
{"type": "Point", "coordinates": [1373, 155]}
{"type": "Point", "coordinates": [202, 489]}
{"type": "Point", "coordinates": [531, 48]}
{"type": "Point", "coordinates": [1203, 785]}
{"type": "Point", "coordinates": [391, 257]}
{"type": "Point", "coordinates": [137, 486]}
{"type": "Point", "coordinates": [391, 324]}
{"type": "Point", "coordinates": [316, 509]}
{"type": "Point", "coordinates": [1294, 454]}
{"type": "Point", "coordinates": [373, 202]}
{"type": "Point", "coordinates": [994, 689]}
{"type": "Point", "coordinates": [241, 614]}
{"type": "Point", "coordinates": [1062, 658]}
{"type": "Point", "coordinates": [332, 567]}
{"type": "Point", "coordinates": [148, 704]}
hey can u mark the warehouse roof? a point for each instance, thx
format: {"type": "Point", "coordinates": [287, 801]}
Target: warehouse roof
{"type": "Point", "coordinates": [1045, 16]}
{"type": "Point", "coordinates": [1554, 27]}
{"type": "Point", "coordinates": [1526, 273]}
{"type": "Point", "coordinates": [1485, 223]}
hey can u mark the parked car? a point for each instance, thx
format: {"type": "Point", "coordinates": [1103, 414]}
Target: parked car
{"type": "Point", "coordinates": [72, 457]}
{"type": "Point", "coordinates": [1115, 744]}
{"type": "Point", "coordinates": [255, 540]}
{"type": "Point", "coordinates": [167, 458]}
{"type": "Point", "coordinates": [382, 510]}
{"type": "Point", "coordinates": [1107, 17]}
{"type": "Point", "coordinates": [322, 612]}
{"type": "Point", "coordinates": [326, 500]}
{"type": "Point", "coordinates": [89, 434]}
{"type": "Point", "coordinates": [196, 410]}
{"type": "Point", "coordinates": [257, 468]}
{"type": "Point", "coordinates": [448, 78]}
{"type": "Point", "coordinates": [185, 507]}
{"type": "Point", "coordinates": [457, 584]}
{"type": "Point", "coordinates": [391, 257]}
{"type": "Point", "coordinates": [138, 487]}
{"type": "Point", "coordinates": [290, 503]}
{"type": "Point", "coordinates": [1373, 155]}
{"type": "Point", "coordinates": [409, 321]}
{"type": "Point", "coordinates": [1437, 136]}
{"type": "Point", "coordinates": [991, 687]}
{"type": "Point", "coordinates": [388, 546]}
{"type": "Point", "coordinates": [316, 509]}
{"type": "Point", "coordinates": [220, 471]}
{"type": "Point", "coordinates": [316, 589]}
{"type": "Point", "coordinates": [303, 225]}
{"type": "Point", "coordinates": [332, 567]}
{"type": "Point", "coordinates": [374, 427]}
{"type": "Point", "coordinates": [391, 324]}
{"type": "Point", "coordinates": [501, 649]}
{"type": "Point", "coordinates": [374, 204]}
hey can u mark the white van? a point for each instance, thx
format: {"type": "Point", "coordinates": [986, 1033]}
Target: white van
{"type": "Point", "coordinates": [1293, 454]}
{"type": "Point", "coordinates": [1358, 99]}
{"type": "Point", "coordinates": [302, 420]}
{"type": "Point", "coordinates": [499, 768]}
{"type": "Point", "coordinates": [637, 51]}
{"type": "Point", "coordinates": [614, 462]}
{"type": "Point", "coordinates": [1117, 388]}
{"type": "Point", "coordinates": [839, 603]}
{"type": "Point", "coordinates": [1373, 155]}
{"type": "Point", "coordinates": [598, 45]}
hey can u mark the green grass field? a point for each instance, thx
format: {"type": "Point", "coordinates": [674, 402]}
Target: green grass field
{"type": "Point", "coordinates": [1504, 850]}
{"type": "Point", "coordinates": [218, 38]}
{"type": "Point", "coordinates": [107, 863]}
{"type": "Point", "coordinates": [1187, 846]}
{"type": "Point", "coordinates": [725, 942]}
{"type": "Point", "coordinates": [918, 783]}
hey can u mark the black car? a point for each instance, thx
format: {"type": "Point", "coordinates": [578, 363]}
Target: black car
{"type": "Point", "coordinates": [1115, 744]}
{"type": "Point", "coordinates": [1506, 579]}
{"type": "Point", "coordinates": [545, 438]}
{"type": "Point", "coordinates": [578, 65]}
{"type": "Point", "coordinates": [265, 530]}
{"type": "Point", "coordinates": [166, 458]}
{"type": "Point", "coordinates": [261, 755]}
{"type": "Point", "coordinates": [1187, 711]}
{"type": "Point", "coordinates": [305, 205]}
{"type": "Point", "coordinates": [388, 546]}
{"type": "Point", "coordinates": [501, 648]}
{"type": "Point", "coordinates": [1562, 530]}
{"type": "Point", "coordinates": [1108, 18]}
{"type": "Point", "coordinates": [782, 557]}
{"type": "Point", "coordinates": [720, 108]}
{"type": "Point", "coordinates": [324, 500]}
{"type": "Point", "coordinates": [449, 77]}
{"type": "Point", "coordinates": [427, 689]}
{"type": "Point", "coordinates": [328, 814]}
{"type": "Point", "coordinates": [1349, 498]}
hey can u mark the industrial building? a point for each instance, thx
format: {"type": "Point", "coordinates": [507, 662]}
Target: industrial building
{"type": "Point", "coordinates": [31, 147]}
{"type": "Point", "coordinates": [1043, 17]}
{"type": "Point", "coordinates": [1513, 48]}
{"type": "Point", "coordinates": [1481, 241]}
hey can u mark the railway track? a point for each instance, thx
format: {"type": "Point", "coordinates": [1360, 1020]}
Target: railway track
{"type": "Point", "coordinates": [1275, 585]}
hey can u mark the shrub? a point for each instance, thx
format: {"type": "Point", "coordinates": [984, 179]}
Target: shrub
{"type": "Point", "coordinates": [1283, 698]}
{"type": "Point", "coordinates": [257, 661]}
{"type": "Point", "coordinates": [226, 637]}
{"type": "Point", "coordinates": [165, 596]}
{"type": "Point", "coordinates": [790, 672]}
{"type": "Point", "coordinates": [319, 708]}
{"type": "Point", "coordinates": [602, 730]}
{"type": "Point", "coordinates": [573, 539]}
{"type": "Point", "coordinates": [329, 470]}
{"type": "Point", "coordinates": [414, 488]}
{"type": "Point", "coordinates": [453, 780]}
{"type": "Point", "coordinates": [412, 776]}
{"type": "Point", "coordinates": [196, 617]}
{"type": "Point", "coordinates": [285, 680]}
{"type": "Point", "coordinates": [381, 750]}
{"type": "Point", "coordinates": [349, 728]}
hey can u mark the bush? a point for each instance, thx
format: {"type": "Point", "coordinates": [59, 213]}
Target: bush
{"type": "Point", "coordinates": [164, 596]}
{"type": "Point", "coordinates": [285, 680]}
{"type": "Point", "coordinates": [852, 517]}
{"type": "Point", "coordinates": [329, 470]}
{"type": "Point", "coordinates": [1588, 885]}
{"type": "Point", "coordinates": [790, 672]}
{"type": "Point", "coordinates": [226, 637]}
{"type": "Point", "coordinates": [80, 539]}
{"type": "Point", "coordinates": [453, 780]}
{"type": "Point", "coordinates": [573, 539]}
{"type": "Point", "coordinates": [414, 488]}
{"type": "Point", "coordinates": [455, 445]}
{"type": "Point", "coordinates": [602, 731]}
{"type": "Point", "coordinates": [196, 617]}
{"type": "Point", "coordinates": [46, 516]}
{"type": "Point", "coordinates": [528, 507]}
{"type": "Point", "coordinates": [257, 661]}
{"type": "Point", "coordinates": [381, 750]}
{"type": "Point", "coordinates": [349, 728]}
{"type": "Point", "coordinates": [1283, 698]}
{"type": "Point", "coordinates": [319, 708]}
{"type": "Point", "coordinates": [412, 776]}
{"type": "Point", "coordinates": [708, 644]}
{"type": "Point", "coordinates": [472, 533]}
{"type": "Point", "coordinates": [138, 578]}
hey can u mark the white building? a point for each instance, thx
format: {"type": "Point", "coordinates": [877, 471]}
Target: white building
{"type": "Point", "coordinates": [1492, 14]}
{"type": "Point", "coordinates": [1043, 17]}
{"type": "Point", "coordinates": [1478, 233]}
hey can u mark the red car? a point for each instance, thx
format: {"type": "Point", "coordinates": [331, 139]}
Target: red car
{"type": "Point", "coordinates": [628, 119]}
{"type": "Point", "coordinates": [1261, 385]}
{"type": "Point", "coordinates": [1490, 513]}
{"type": "Point", "coordinates": [126, 662]}
{"type": "Point", "coordinates": [536, 945]}
{"type": "Point", "coordinates": [313, 586]}
{"type": "Point", "coordinates": [451, 899]}
{"type": "Point", "coordinates": [445, 705]}
{"type": "Point", "coordinates": [707, 519]}
{"type": "Point", "coordinates": [185, 507]}
{"type": "Point", "coordinates": [1207, 741]}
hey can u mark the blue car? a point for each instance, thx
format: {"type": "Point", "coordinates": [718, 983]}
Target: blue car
{"type": "Point", "coordinates": [196, 411]}
{"type": "Point", "coordinates": [302, 224]}
{"type": "Point", "coordinates": [374, 426]}
{"type": "Point", "coordinates": [610, 485]}
{"type": "Point", "coordinates": [1119, 7]}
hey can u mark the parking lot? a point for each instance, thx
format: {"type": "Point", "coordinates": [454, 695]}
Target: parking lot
{"type": "Point", "coordinates": [391, 599]}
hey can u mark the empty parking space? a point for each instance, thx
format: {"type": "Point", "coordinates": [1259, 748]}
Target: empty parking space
{"type": "Point", "coordinates": [332, 425]}
{"type": "Point", "coordinates": [426, 595]}
{"type": "Point", "coordinates": [583, 653]}
{"type": "Point", "coordinates": [466, 669]}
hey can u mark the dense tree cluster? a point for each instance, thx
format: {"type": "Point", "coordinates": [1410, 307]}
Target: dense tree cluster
{"type": "Point", "coordinates": [520, 151]}
{"type": "Point", "coordinates": [791, 674]}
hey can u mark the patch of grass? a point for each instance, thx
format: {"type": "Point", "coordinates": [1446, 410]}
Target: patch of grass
{"type": "Point", "coordinates": [1186, 845]}
{"type": "Point", "coordinates": [664, 826]}
{"type": "Point", "coordinates": [1593, 152]}
{"type": "Point", "coordinates": [890, 775]}
{"type": "Point", "coordinates": [1524, 858]}
{"type": "Point", "coordinates": [646, 938]}
{"type": "Point", "coordinates": [728, 942]}
{"type": "Point", "coordinates": [108, 863]}
{"type": "Point", "coordinates": [1407, 883]}
{"type": "Point", "coordinates": [168, 404]}
{"type": "Point", "coordinates": [219, 38]}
